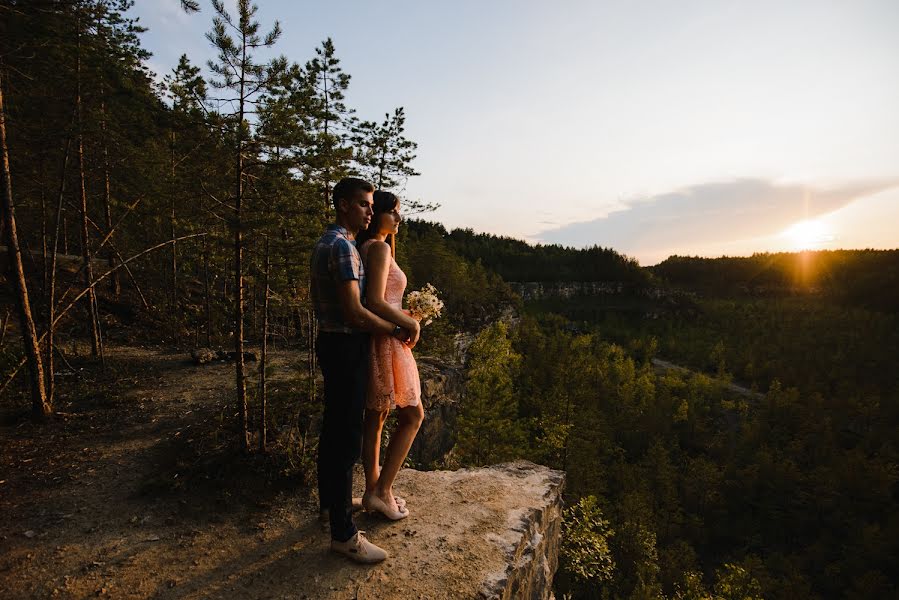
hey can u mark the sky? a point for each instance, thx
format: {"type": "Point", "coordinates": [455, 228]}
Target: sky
{"type": "Point", "coordinates": [653, 127]}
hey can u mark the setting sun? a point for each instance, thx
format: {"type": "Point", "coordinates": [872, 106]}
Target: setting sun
{"type": "Point", "coordinates": [808, 234]}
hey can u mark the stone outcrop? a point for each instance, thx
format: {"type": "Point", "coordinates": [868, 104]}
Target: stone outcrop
{"type": "Point", "coordinates": [531, 542]}
{"type": "Point", "coordinates": [488, 533]}
{"type": "Point", "coordinates": [441, 390]}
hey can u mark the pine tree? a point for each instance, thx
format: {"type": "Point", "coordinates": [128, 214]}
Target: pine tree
{"type": "Point", "coordinates": [384, 155]}
{"type": "Point", "coordinates": [240, 73]}
{"type": "Point", "coordinates": [86, 251]}
{"type": "Point", "coordinates": [586, 560]}
{"type": "Point", "coordinates": [327, 155]}
{"type": "Point", "coordinates": [40, 405]}
{"type": "Point", "coordinates": [188, 140]}
{"type": "Point", "coordinates": [488, 427]}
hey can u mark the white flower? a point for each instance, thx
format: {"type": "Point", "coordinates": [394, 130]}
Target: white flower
{"type": "Point", "coordinates": [424, 304]}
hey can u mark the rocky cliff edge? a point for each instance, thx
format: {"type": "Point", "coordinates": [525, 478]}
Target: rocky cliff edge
{"type": "Point", "coordinates": [491, 532]}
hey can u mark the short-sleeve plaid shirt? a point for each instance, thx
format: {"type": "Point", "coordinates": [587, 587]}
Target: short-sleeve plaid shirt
{"type": "Point", "coordinates": [334, 259]}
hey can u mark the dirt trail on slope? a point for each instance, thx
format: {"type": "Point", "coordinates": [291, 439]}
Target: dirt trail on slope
{"type": "Point", "coordinates": [91, 504]}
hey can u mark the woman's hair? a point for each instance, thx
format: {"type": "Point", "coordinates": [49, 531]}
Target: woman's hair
{"type": "Point", "coordinates": [384, 202]}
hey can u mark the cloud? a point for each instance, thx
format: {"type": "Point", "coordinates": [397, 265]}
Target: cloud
{"type": "Point", "coordinates": [707, 214]}
{"type": "Point", "coordinates": [171, 13]}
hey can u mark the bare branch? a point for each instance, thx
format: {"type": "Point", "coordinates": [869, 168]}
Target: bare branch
{"type": "Point", "coordinates": [84, 292]}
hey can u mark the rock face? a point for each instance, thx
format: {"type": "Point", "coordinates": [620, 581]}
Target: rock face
{"type": "Point", "coordinates": [441, 391]}
{"type": "Point", "coordinates": [534, 290]}
{"type": "Point", "coordinates": [531, 543]}
{"type": "Point", "coordinates": [488, 533]}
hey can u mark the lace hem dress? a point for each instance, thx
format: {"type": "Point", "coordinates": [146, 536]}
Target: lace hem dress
{"type": "Point", "coordinates": [393, 375]}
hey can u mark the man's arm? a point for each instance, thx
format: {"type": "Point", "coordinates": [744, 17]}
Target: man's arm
{"type": "Point", "coordinates": [360, 317]}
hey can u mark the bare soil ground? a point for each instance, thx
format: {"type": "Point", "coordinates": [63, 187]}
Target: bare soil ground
{"type": "Point", "coordinates": [132, 491]}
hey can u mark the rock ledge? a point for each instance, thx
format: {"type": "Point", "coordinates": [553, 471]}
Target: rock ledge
{"type": "Point", "coordinates": [487, 533]}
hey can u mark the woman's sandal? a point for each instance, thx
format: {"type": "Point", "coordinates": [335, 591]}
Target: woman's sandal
{"type": "Point", "coordinates": [357, 502]}
{"type": "Point", "coordinates": [373, 503]}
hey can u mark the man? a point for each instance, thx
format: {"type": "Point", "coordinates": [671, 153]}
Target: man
{"type": "Point", "coordinates": [342, 347]}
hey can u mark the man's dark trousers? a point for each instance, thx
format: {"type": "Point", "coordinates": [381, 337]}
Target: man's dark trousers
{"type": "Point", "coordinates": [343, 358]}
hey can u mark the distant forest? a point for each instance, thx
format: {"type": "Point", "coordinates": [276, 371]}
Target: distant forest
{"type": "Point", "coordinates": [515, 260]}
{"type": "Point", "coordinates": [868, 278]}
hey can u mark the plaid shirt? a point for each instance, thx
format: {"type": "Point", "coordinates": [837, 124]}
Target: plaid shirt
{"type": "Point", "coordinates": [334, 259]}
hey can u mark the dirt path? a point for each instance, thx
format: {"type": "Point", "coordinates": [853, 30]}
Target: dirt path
{"type": "Point", "coordinates": [91, 504]}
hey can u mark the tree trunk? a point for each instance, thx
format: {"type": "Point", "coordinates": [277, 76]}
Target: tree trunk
{"type": "Point", "coordinates": [40, 406]}
{"type": "Point", "coordinates": [51, 295]}
{"type": "Point", "coordinates": [206, 298]}
{"type": "Point", "coordinates": [327, 145]}
{"type": "Point", "coordinates": [254, 310]}
{"type": "Point", "coordinates": [114, 282]}
{"type": "Point", "coordinates": [238, 274]}
{"type": "Point", "coordinates": [96, 341]}
{"type": "Point", "coordinates": [44, 265]}
{"type": "Point", "coordinates": [311, 356]}
{"type": "Point", "coordinates": [262, 363]}
{"type": "Point", "coordinates": [5, 324]}
{"type": "Point", "coordinates": [174, 255]}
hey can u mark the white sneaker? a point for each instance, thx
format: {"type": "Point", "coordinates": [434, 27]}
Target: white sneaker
{"type": "Point", "coordinates": [359, 549]}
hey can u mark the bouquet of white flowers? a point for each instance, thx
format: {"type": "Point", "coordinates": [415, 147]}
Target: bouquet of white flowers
{"type": "Point", "coordinates": [424, 304]}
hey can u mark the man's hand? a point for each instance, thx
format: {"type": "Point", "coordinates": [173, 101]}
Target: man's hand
{"type": "Point", "coordinates": [414, 336]}
{"type": "Point", "coordinates": [357, 315]}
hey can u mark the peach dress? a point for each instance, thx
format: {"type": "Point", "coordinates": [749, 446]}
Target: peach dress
{"type": "Point", "coordinates": [393, 375]}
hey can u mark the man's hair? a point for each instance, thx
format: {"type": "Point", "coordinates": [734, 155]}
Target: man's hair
{"type": "Point", "coordinates": [347, 187]}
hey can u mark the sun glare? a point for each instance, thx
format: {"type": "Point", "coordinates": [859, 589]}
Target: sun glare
{"type": "Point", "coordinates": [809, 234]}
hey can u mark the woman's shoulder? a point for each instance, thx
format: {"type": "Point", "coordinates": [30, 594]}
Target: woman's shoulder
{"type": "Point", "coordinates": [374, 249]}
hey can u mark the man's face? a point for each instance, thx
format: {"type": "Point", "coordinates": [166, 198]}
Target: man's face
{"type": "Point", "coordinates": [357, 211]}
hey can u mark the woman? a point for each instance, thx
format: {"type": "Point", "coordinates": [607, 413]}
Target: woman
{"type": "Point", "coordinates": [393, 374]}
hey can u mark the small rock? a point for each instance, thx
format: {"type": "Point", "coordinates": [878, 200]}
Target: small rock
{"type": "Point", "coordinates": [30, 533]}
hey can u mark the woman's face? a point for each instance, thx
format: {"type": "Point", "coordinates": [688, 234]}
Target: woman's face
{"type": "Point", "coordinates": [390, 221]}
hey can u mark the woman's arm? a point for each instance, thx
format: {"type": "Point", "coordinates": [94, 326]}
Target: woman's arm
{"type": "Point", "coordinates": [358, 316]}
{"type": "Point", "coordinates": [377, 265]}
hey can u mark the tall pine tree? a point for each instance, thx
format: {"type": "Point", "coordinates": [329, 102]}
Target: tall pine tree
{"type": "Point", "coordinates": [239, 72]}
